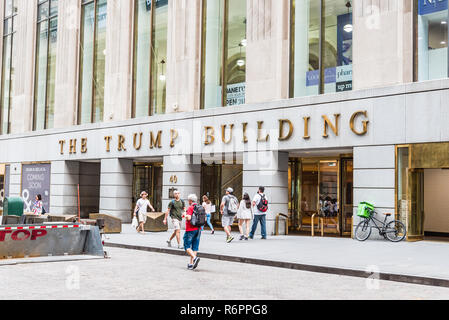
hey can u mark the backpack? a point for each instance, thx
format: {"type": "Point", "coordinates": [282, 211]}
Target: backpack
{"type": "Point", "coordinates": [198, 216]}
{"type": "Point", "coordinates": [263, 204]}
{"type": "Point", "coordinates": [233, 205]}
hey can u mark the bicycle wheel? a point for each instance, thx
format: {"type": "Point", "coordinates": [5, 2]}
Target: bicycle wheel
{"type": "Point", "coordinates": [395, 231]}
{"type": "Point", "coordinates": [363, 230]}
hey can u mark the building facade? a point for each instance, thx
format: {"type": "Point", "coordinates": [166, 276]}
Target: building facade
{"type": "Point", "coordinates": [325, 103]}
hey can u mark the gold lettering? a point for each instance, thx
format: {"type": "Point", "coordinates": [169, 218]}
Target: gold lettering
{"type": "Point", "coordinates": [173, 137]}
{"type": "Point", "coordinates": [306, 128]}
{"type": "Point", "coordinates": [155, 142]}
{"type": "Point", "coordinates": [245, 138]}
{"type": "Point", "coordinates": [108, 144]}
{"type": "Point", "coordinates": [61, 143]}
{"type": "Point", "coordinates": [137, 146]}
{"type": "Point", "coordinates": [281, 129]}
{"type": "Point", "coordinates": [365, 123]}
{"type": "Point", "coordinates": [328, 123]}
{"type": "Point", "coordinates": [121, 143]}
{"type": "Point", "coordinates": [83, 145]}
{"type": "Point", "coordinates": [210, 138]}
{"type": "Point", "coordinates": [259, 131]}
{"type": "Point", "coordinates": [223, 133]}
{"type": "Point", "coordinates": [72, 146]}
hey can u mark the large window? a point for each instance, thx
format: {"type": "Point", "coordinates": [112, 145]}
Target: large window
{"type": "Point", "coordinates": [150, 57]}
{"type": "Point", "coordinates": [432, 42]}
{"type": "Point", "coordinates": [44, 92]}
{"type": "Point", "coordinates": [92, 61]}
{"type": "Point", "coordinates": [321, 35]}
{"type": "Point", "coordinates": [224, 53]}
{"type": "Point", "coordinates": [9, 29]}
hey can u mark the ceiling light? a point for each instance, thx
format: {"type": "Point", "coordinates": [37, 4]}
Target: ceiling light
{"type": "Point", "coordinates": [162, 77]}
{"type": "Point", "coordinates": [244, 42]}
{"type": "Point", "coordinates": [348, 28]}
{"type": "Point", "coordinates": [443, 42]}
{"type": "Point", "coordinates": [444, 22]}
{"type": "Point", "coordinates": [240, 62]}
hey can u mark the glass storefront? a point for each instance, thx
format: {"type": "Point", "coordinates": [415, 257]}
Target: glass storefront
{"type": "Point", "coordinates": [432, 40]}
{"type": "Point", "coordinates": [9, 30]}
{"type": "Point", "coordinates": [45, 72]}
{"type": "Point", "coordinates": [150, 57]}
{"type": "Point", "coordinates": [320, 191]}
{"type": "Point", "coordinates": [148, 177]}
{"type": "Point", "coordinates": [92, 61]}
{"type": "Point", "coordinates": [321, 36]}
{"type": "Point", "coordinates": [224, 53]}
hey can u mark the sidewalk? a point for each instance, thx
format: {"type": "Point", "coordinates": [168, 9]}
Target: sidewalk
{"type": "Point", "coordinates": [422, 262]}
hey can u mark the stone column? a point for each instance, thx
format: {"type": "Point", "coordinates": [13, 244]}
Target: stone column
{"type": "Point", "coordinates": [267, 169]}
{"type": "Point", "coordinates": [383, 43]}
{"type": "Point", "coordinates": [15, 180]}
{"type": "Point", "coordinates": [268, 28]}
{"type": "Point", "coordinates": [116, 186]}
{"type": "Point", "coordinates": [66, 78]}
{"type": "Point", "coordinates": [119, 57]}
{"type": "Point", "coordinates": [182, 173]}
{"type": "Point", "coordinates": [63, 190]}
{"type": "Point", "coordinates": [183, 55]}
{"type": "Point", "coordinates": [24, 47]}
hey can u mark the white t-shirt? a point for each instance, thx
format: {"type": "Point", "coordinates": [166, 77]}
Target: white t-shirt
{"type": "Point", "coordinates": [257, 199]}
{"type": "Point", "coordinates": [207, 207]}
{"type": "Point", "coordinates": [143, 205]}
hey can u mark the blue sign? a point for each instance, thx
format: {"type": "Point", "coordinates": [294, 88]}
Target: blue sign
{"type": "Point", "coordinates": [431, 6]}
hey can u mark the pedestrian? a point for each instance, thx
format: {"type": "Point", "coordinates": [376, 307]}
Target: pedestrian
{"type": "Point", "coordinates": [176, 209]}
{"type": "Point", "coordinates": [38, 205]}
{"type": "Point", "coordinates": [141, 208]}
{"type": "Point", "coordinates": [245, 215]}
{"type": "Point", "coordinates": [207, 204]}
{"type": "Point", "coordinates": [192, 235]}
{"type": "Point", "coordinates": [260, 205]}
{"type": "Point", "coordinates": [228, 208]}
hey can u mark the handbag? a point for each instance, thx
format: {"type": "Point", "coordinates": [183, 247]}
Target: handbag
{"type": "Point", "coordinates": [134, 223]}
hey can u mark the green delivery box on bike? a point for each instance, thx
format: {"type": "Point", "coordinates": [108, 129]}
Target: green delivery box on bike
{"type": "Point", "coordinates": [365, 209]}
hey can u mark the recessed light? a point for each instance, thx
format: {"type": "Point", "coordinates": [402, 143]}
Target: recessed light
{"type": "Point", "coordinates": [443, 42]}
{"type": "Point", "coordinates": [443, 22]}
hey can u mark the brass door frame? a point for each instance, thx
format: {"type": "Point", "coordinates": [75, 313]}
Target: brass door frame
{"type": "Point", "coordinates": [343, 160]}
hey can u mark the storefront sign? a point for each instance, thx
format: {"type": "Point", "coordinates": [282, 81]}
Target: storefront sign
{"type": "Point", "coordinates": [431, 6]}
{"type": "Point", "coordinates": [235, 94]}
{"type": "Point", "coordinates": [36, 180]}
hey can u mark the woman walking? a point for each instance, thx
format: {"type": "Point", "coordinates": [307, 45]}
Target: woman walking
{"type": "Point", "coordinates": [245, 215]}
{"type": "Point", "coordinates": [207, 204]}
{"type": "Point", "coordinates": [141, 207]}
{"type": "Point", "coordinates": [38, 205]}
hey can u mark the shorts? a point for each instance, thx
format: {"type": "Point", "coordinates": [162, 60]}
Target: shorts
{"type": "Point", "coordinates": [142, 217]}
{"type": "Point", "coordinates": [176, 224]}
{"type": "Point", "coordinates": [192, 240]}
{"type": "Point", "coordinates": [227, 220]}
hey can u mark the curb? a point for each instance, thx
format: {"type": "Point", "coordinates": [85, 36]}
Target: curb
{"type": "Point", "coordinates": [435, 282]}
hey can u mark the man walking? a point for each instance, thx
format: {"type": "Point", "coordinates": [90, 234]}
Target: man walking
{"type": "Point", "coordinates": [176, 208]}
{"type": "Point", "coordinates": [193, 234]}
{"type": "Point", "coordinates": [228, 208]}
{"type": "Point", "coordinates": [260, 205]}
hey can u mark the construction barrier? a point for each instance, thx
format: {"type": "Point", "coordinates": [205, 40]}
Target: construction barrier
{"type": "Point", "coordinates": [59, 239]}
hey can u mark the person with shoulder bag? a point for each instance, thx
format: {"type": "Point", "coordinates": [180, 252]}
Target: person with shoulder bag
{"type": "Point", "coordinates": [229, 208]}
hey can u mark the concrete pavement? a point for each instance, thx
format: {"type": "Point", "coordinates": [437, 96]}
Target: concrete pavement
{"type": "Point", "coordinates": [416, 262]}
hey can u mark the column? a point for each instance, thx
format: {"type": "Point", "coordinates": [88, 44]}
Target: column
{"type": "Point", "coordinates": [268, 169]}
{"type": "Point", "coordinates": [64, 187]}
{"type": "Point", "coordinates": [24, 45]}
{"type": "Point", "coordinates": [66, 82]}
{"type": "Point", "coordinates": [119, 55]}
{"type": "Point", "coordinates": [374, 180]}
{"type": "Point", "coordinates": [15, 180]}
{"type": "Point", "coordinates": [116, 181]}
{"type": "Point", "coordinates": [268, 28]}
{"type": "Point", "coordinates": [383, 43]}
{"type": "Point", "coordinates": [182, 173]}
{"type": "Point", "coordinates": [183, 55]}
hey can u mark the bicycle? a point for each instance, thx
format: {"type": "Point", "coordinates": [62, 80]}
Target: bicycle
{"type": "Point", "coordinates": [394, 230]}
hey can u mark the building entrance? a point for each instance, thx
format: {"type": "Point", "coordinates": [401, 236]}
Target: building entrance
{"type": "Point", "coordinates": [148, 177]}
{"type": "Point", "coordinates": [215, 179]}
{"type": "Point", "coordinates": [320, 196]}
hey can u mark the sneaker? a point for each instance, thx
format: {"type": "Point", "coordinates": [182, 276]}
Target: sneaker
{"type": "Point", "coordinates": [190, 266]}
{"type": "Point", "coordinates": [213, 231]}
{"type": "Point", "coordinates": [180, 246]}
{"type": "Point", "coordinates": [263, 238]}
{"type": "Point", "coordinates": [230, 239]}
{"type": "Point", "coordinates": [195, 262]}
{"type": "Point", "coordinates": [242, 237]}
{"type": "Point", "coordinates": [246, 238]}
{"type": "Point", "coordinates": [169, 243]}
{"type": "Point", "coordinates": [251, 237]}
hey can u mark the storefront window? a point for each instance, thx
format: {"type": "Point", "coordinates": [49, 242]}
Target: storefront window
{"type": "Point", "coordinates": [321, 36]}
{"type": "Point", "coordinates": [150, 57]}
{"type": "Point", "coordinates": [402, 167]}
{"type": "Point", "coordinates": [432, 39]}
{"type": "Point", "coordinates": [9, 30]}
{"type": "Point", "coordinates": [92, 61]}
{"type": "Point", "coordinates": [224, 53]}
{"type": "Point", "coordinates": [44, 98]}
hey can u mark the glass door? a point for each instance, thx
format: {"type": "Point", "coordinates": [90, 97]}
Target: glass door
{"type": "Point", "coordinates": [148, 177]}
{"type": "Point", "coordinates": [415, 216]}
{"type": "Point", "coordinates": [329, 195]}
